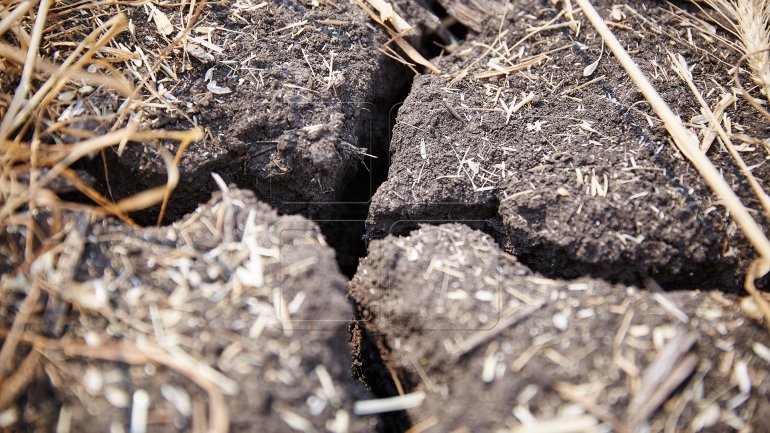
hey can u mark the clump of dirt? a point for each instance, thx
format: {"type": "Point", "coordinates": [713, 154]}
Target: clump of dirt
{"type": "Point", "coordinates": [494, 346]}
{"type": "Point", "coordinates": [563, 158]}
{"type": "Point", "coordinates": [310, 92]}
{"type": "Point", "coordinates": [233, 316]}
{"type": "Point", "coordinates": [532, 142]}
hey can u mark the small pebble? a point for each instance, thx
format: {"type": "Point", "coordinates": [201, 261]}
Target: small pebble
{"type": "Point", "coordinates": [560, 321]}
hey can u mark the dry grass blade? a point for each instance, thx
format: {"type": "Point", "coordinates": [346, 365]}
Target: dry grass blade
{"type": "Point", "coordinates": [12, 18]}
{"type": "Point", "coordinates": [662, 366]}
{"type": "Point", "coordinates": [12, 387]}
{"type": "Point", "coordinates": [684, 140]}
{"type": "Point", "coordinates": [669, 369]}
{"type": "Point", "coordinates": [138, 201]}
{"type": "Point", "coordinates": [478, 338]}
{"type": "Point", "coordinates": [714, 121]}
{"type": "Point", "coordinates": [16, 115]}
{"type": "Point", "coordinates": [748, 20]}
{"type": "Point", "coordinates": [412, 52]}
{"type": "Point", "coordinates": [397, 57]}
{"type": "Point", "coordinates": [681, 68]}
{"type": "Point", "coordinates": [17, 329]}
{"type": "Point", "coordinates": [387, 14]}
{"type": "Point", "coordinates": [389, 404]}
{"type": "Point", "coordinates": [118, 83]}
{"type": "Point", "coordinates": [20, 97]}
{"type": "Point", "coordinates": [569, 392]}
{"type": "Point", "coordinates": [97, 198]}
{"type": "Point", "coordinates": [388, 18]}
{"type": "Point", "coordinates": [764, 306]}
{"type": "Point", "coordinates": [515, 68]}
{"type": "Point", "coordinates": [534, 31]}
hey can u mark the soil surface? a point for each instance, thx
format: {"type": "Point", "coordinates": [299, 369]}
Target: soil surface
{"type": "Point", "coordinates": [305, 124]}
{"type": "Point", "coordinates": [496, 347]}
{"type": "Point", "coordinates": [582, 179]}
{"type": "Point", "coordinates": [231, 312]}
{"type": "Point", "coordinates": [309, 100]}
{"type": "Point", "coordinates": [527, 250]}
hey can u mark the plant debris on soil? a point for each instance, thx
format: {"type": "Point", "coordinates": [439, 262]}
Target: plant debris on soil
{"type": "Point", "coordinates": [295, 100]}
{"type": "Point", "coordinates": [231, 318]}
{"type": "Point", "coordinates": [496, 347]}
{"type": "Point", "coordinates": [553, 144]}
{"type": "Point", "coordinates": [384, 216]}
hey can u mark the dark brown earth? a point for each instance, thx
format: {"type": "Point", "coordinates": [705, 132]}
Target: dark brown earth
{"type": "Point", "coordinates": [513, 262]}
{"type": "Point", "coordinates": [496, 347]}
{"type": "Point", "coordinates": [232, 297]}
{"type": "Point", "coordinates": [582, 180]}
{"type": "Point", "coordinates": [308, 103]}
{"type": "Point", "coordinates": [306, 126]}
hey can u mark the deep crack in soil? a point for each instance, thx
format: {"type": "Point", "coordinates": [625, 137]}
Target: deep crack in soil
{"type": "Point", "coordinates": [325, 161]}
{"type": "Point", "coordinates": [346, 229]}
{"type": "Point", "coordinates": [341, 216]}
{"type": "Point", "coordinates": [578, 181]}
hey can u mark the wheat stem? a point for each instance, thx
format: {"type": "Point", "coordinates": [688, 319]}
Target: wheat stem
{"type": "Point", "coordinates": [22, 90]}
{"type": "Point", "coordinates": [682, 138]}
{"type": "Point", "coordinates": [681, 68]}
{"type": "Point", "coordinates": [752, 17]}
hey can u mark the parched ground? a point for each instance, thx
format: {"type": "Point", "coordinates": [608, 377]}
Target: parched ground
{"type": "Point", "coordinates": [232, 317]}
{"type": "Point", "coordinates": [496, 347]}
{"type": "Point", "coordinates": [294, 98]}
{"type": "Point", "coordinates": [509, 244]}
{"type": "Point", "coordinates": [571, 168]}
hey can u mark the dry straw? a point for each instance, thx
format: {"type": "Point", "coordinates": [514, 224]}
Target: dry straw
{"type": "Point", "coordinates": [688, 145]}
{"type": "Point", "coordinates": [748, 21]}
{"type": "Point", "coordinates": [397, 27]}
{"type": "Point", "coordinates": [41, 139]}
{"type": "Point", "coordinates": [684, 140]}
{"type": "Point", "coordinates": [35, 152]}
{"type": "Point", "coordinates": [683, 70]}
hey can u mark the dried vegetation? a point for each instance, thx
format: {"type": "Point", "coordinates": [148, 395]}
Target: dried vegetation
{"type": "Point", "coordinates": [752, 29]}
{"type": "Point", "coordinates": [496, 347]}
{"type": "Point", "coordinates": [74, 82]}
